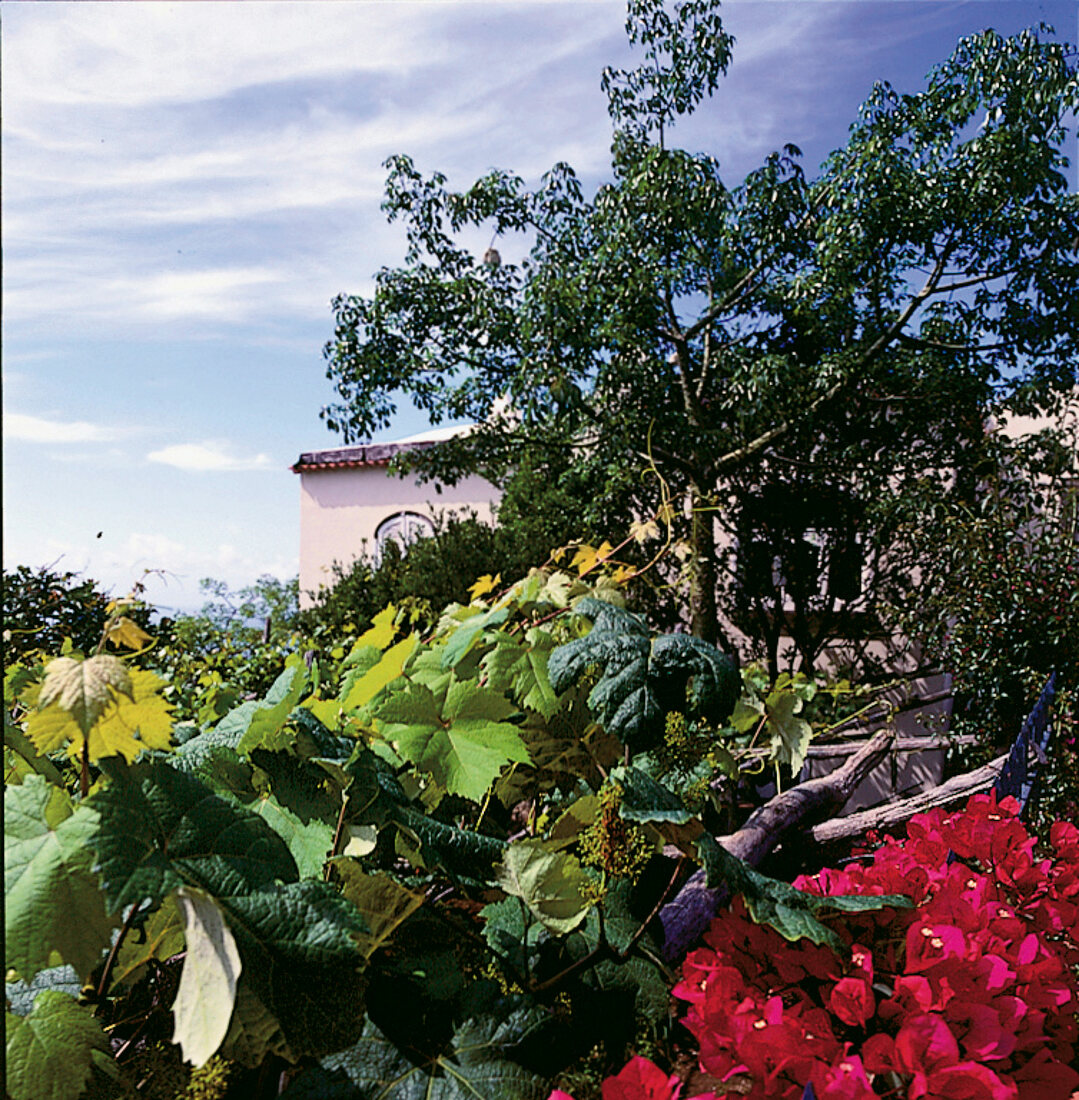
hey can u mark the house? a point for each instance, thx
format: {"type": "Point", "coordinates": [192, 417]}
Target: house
{"type": "Point", "coordinates": [351, 504]}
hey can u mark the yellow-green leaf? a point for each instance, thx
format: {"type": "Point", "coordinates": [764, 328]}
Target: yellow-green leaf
{"type": "Point", "coordinates": [125, 727]}
{"type": "Point", "coordinates": [485, 584]}
{"type": "Point", "coordinates": [375, 679]}
{"type": "Point", "coordinates": [381, 631]}
{"type": "Point", "coordinates": [84, 688]}
{"type": "Point", "coordinates": [551, 884]}
{"type": "Point", "coordinates": [126, 632]}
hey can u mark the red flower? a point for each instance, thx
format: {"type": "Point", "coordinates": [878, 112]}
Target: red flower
{"type": "Point", "coordinates": [641, 1079]}
{"type": "Point", "coordinates": [963, 1081]}
{"type": "Point", "coordinates": [925, 1043]}
{"type": "Point", "coordinates": [852, 1001]}
{"type": "Point", "coordinates": [846, 1080]}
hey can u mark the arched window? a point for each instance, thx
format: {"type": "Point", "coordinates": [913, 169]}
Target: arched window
{"type": "Point", "coordinates": [403, 528]}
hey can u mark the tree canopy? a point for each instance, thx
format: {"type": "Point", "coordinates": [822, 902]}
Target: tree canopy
{"type": "Point", "coordinates": [836, 334]}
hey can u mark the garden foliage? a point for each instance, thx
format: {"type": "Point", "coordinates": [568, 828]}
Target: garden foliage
{"type": "Point", "coordinates": [459, 834]}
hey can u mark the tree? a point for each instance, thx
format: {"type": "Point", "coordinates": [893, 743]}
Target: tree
{"type": "Point", "coordinates": [997, 602]}
{"type": "Point", "coordinates": [845, 332]}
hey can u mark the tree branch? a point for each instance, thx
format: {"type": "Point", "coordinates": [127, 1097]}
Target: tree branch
{"type": "Point", "coordinates": [686, 917]}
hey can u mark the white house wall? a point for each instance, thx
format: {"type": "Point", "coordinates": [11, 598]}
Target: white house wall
{"type": "Point", "coordinates": [340, 509]}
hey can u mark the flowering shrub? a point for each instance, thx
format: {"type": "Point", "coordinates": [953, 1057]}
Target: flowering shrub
{"type": "Point", "coordinates": [970, 995]}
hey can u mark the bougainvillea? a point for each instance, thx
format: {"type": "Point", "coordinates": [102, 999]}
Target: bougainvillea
{"type": "Point", "coordinates": [971, 995]}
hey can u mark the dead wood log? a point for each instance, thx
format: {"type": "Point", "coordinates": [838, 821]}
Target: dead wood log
{"type": "Point", "coordinates": [685, 918]}
{"type": "Point", "coordinates": [896, 813]}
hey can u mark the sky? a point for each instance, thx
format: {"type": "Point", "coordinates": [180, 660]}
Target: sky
{"type": "Point", "coordinates": [188, 185]}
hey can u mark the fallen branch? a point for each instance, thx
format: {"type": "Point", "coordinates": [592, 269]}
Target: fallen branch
{"type": "Point", "coordinates": [685, 918]}
{"type": "Point", "coordinates": [895, 813]}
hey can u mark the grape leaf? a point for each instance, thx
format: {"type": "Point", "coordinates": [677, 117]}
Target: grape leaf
{"type": "Point", "coordinates": [378, 799]}
{"type": "Point", "coordinates": [49, 1052]}
{"type": "Point", "coordinates": [84, 688]}
{"type": "Point", "coordinates": [196, 752]}
{"type": "Point", "coordinates": [476, 1065]}
{"type": "Point", "coordinates": [207, 992]}
{"type": "Point", "coordinates": [275, 708]}
{"type": "Point", "coordinates": [522, 668]}
{"type": "Point", "coordinates": [161, 829]}
{"type": "Point", "coordinates": [386, 670]}
{"type": "Point", "coordinates": [460, 739]}
{"type": "Point", "coordinates": [642, 679]}
{"type": "Point", "coordinates": [300, 958]}
{"type": "Point", "coordinates": [379, 634]}
{"type": "Point", "coordinates": [52, 901]}
{"type": "Point", "coordinates": [551, 884]}
{"type": "Point", "coordinates": [126, 725]}
{"type": "Point", "coordinates": [790, 735]}
{"type": "Point", "coordinates": [308, 842]}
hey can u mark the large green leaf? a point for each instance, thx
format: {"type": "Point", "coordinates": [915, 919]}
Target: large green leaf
{"type": "Point", "coordinates": [460, 739]}
{"type": "Point", "coordinates": [49, 1053]}
{"type": "Point", "coordinates": [298, 944]}
{"type": "Point", "coordinates": [52, 900]}
{"type": "Point", "coordinates": [641, 679]}
{"type": "Point", "coordinates": [377, 798]}
{"type": "Point", "coordinates": [161, 829]}
{"type": "Point", "coordinates": [275, 709]}
{"type": "Point", "coordinates": [309, 842]}
{"type": "Point", "coordinates": [476, 1065]}
{"type": "Point", "coordinates": [520, 667]}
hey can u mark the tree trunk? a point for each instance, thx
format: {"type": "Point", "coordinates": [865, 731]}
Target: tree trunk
{"type": "Point", "coordinates": [704, 621]}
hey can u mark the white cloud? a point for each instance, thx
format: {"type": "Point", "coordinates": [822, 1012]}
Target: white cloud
{"type": "Point", "coordinates": [170, 567]}
{"type": "Point", "coordinates": [39, 429]}
{"type": "Point", "coordinates": [209, 457]}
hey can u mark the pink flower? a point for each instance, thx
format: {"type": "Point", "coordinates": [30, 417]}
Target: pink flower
{"type": "Point", "coordinates": [641, 1079]}
{"type": "Point", "coordinates": [852, 1001]}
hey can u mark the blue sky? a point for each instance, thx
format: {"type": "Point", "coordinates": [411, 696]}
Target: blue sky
{"type": "Point", "coordinates": [187, 185]}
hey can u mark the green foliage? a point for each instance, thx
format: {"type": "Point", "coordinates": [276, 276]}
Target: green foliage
{"type": "Point", "coordinates": [869, 315]}
{"type": "Point", "coordinates": [50, 1052]}
{"type": "Point", "coordinates": [477, 1064]}
{"type": "Point", "coordinates": [459, 736]}
{"type": "Point", "coordinates": [52, 902]}
{"type": "Point", "coordinates": [643, 678]}
{"type": "Point", "coordinates": [43, 607]}
{"type": "Point", "coordinates": [999, 602]}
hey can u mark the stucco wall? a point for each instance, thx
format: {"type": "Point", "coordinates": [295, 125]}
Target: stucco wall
{"type": "Point", "coordinates": [340, 510]}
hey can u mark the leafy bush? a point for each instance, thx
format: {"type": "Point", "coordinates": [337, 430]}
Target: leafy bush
{"type": "Point", "coordinates": [43, 607]}
{"type": "Point", "coordinates": [461, 845]}
{"type": "Point", "coordinates": [971, 993]}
